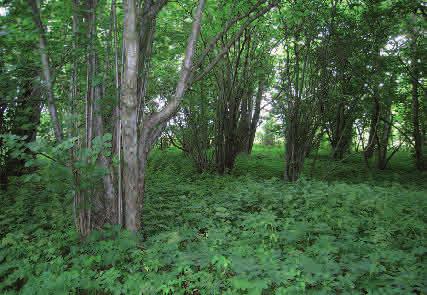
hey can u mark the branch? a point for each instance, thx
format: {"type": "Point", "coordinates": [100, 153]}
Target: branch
{"type": "Point", "coordinates": [175, 144]}
{"type": "Point", "coordinates": [167, 112]}
{"type": "Point", "coordinates": [156, 7]}
{"type": "Point", "coordinates": [409, 71]}
{"type": "Point", "coordinates": [231, 42]}
{"type": "Point", "coordinates": [394, 152]}
{"type": "Point", "coordinates": [229, 24]}
{"type": "Point", "coordinates": [49, 157]}
{"type": "Point", "coordinates": [155, 134]}
{"type": "Point", "coordinates": [398, 129]}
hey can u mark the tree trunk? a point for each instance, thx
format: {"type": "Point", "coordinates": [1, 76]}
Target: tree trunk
{"type": "Point", "coordinates": [46, 70]}
{"type": "Point", "coordinates": [3, 174]}
{"type": "Point", "coordinates": [295, 150]}
{"type": "Point", "coordinates": [128, 114]}
{"type": "Point", "coordinates": [255, 116]}
{"type": "Point", "coordinates": [108, 200]}
{"type": "Point", "coordinates": [417, 133]}
{"type": "Point", "coordinates": [219, 138]}
{"type": "Point", "coordinates": [375, 119]}
{"type": "Point", "coordinates": [383, 137]}
{"type": "Point", "coordinates": [341, 133]}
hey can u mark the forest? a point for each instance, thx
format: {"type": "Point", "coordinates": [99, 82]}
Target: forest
{"type": "Point", "coordinates": [213, 147]}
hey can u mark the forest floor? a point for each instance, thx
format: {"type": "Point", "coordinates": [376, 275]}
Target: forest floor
{"type": "Point", "coordinates": [341, 229]}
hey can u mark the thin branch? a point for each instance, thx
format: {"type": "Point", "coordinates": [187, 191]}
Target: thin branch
{"type": "Point", "coordinates": [171, 107]}
{"type": "Point", "coordinates": [155, 8]}
{"type": "Point", "coordinates": [231, 42]}
{"type": "Point", "coordinates": [399, 129]}
{"type": "Point", "coordinates": [229, 24]}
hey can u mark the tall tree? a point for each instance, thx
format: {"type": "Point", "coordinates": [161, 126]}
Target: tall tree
{"type": "Point", "coordinates": [46, 69]}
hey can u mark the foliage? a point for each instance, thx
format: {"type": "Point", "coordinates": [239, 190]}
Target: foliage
{"type": "Point", "coordinates": [207, 234]}
{"type": "Point", "coordinates": [340, 83]}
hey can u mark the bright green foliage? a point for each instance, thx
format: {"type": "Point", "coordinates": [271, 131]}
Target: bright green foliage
{"type": "Point", "coordinates": [230, 234]}
{"type": "Point", "coordinates": [267, 162]}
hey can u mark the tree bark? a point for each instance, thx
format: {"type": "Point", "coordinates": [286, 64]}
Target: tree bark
{"type": "Point", "coordinates": [417, 132]}
{"type": "Point", "coordinates": [341, 132]}
{"type": "Point", "coordinates": [255, 116]}
{"type": "Point", "coordinates": [128, 114]}
{"type": "Point", "coordinates": [383, 136]}
{"type": "Point", "coordinates": [117, 134]}
{"type": "Point", "coordinates": [375, 119]}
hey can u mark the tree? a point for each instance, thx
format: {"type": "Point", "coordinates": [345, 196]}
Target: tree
{"type": "Point", "coordinates": [136, 124]}
{"type": "Point", "coordinates": [299, 79]}
{"type": "Point", "coordinates": [240, 80]}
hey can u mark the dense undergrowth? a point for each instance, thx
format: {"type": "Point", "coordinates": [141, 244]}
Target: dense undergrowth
{"type": "Point", "coordinates": [339, 230]}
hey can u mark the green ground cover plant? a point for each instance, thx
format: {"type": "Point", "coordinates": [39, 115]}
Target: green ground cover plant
{"type": "Point", "coordinates": [244, 233]}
